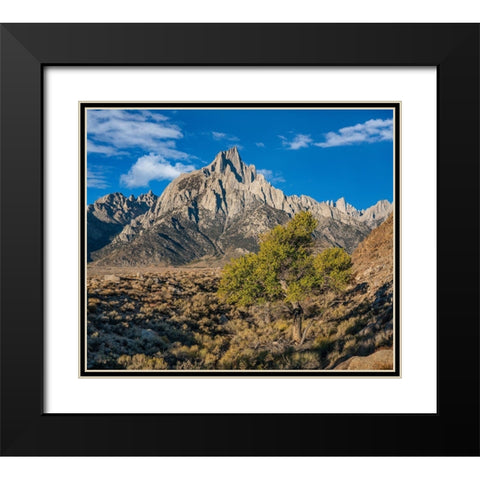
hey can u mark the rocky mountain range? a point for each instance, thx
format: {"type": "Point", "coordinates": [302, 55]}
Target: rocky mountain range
{"type": "Point", "coordinates": [211, 214]}
{"type": "Point", "coordinates": [107, 217]}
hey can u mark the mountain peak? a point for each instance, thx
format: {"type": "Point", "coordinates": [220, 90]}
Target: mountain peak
{"type": "Point", "coordinates": [224, 157]}
{"type": "Point", "coordinates": [230, 161]}
{"type": "Point", "coordinates": [149, 194]}
{"type": "Point", "coordinates": [342, 205]}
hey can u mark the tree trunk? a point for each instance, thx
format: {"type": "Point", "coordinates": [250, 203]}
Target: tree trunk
{"type": "Point", "coordinates": [297, 329]}
{"type": "Point", "coordinates": [297, 311]}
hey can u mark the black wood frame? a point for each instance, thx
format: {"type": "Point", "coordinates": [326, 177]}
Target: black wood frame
{"type": "Point", "coordinates": [27, 48]}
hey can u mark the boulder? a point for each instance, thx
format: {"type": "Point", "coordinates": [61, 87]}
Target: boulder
{"type": "Point", "coordinates": [379, 360]}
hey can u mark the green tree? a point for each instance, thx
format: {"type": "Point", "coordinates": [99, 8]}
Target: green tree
{"type": "Point", "coordinates": [334, 267]}
{"type": "Point", "coordinates": [285, 270]}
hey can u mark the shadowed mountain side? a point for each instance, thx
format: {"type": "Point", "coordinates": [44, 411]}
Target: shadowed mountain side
{"type": "Point", "coordinates": [107, 217]}
{"type": "Point", "coordinates": [177, 239]}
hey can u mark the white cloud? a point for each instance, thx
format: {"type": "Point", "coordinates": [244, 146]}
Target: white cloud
{"type": "Point", "coordinates": [98, 148]}
{"type": "Point", "coordinates": [218, 135]}
{"type": "Point", "coordinates": [96, 178]}
{"type": "Point", "coordinates": [260, 144]}
{"type": "Point", "coordinates": [372, 131]}
{"type": "Point", "coordinates": [272, 177]}
{"type": "Point", "coordinates": [109, 131]}
{"type": "Point", "coordinates": [299, 141]}
{"type": "Point", "coordinates": [224, 136]}
{"type": "Point", "coordinates": [152, 167]}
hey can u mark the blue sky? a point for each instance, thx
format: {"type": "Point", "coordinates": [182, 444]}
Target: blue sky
{"type": "Point", "coordinates": [326, 154]}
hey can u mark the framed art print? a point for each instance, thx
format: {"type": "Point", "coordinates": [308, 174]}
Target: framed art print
{"type": "Point", "coordinates": [267, 236]}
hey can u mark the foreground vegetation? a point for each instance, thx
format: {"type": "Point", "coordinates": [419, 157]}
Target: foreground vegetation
{"type": "Point", "coordinates": [174, 320]}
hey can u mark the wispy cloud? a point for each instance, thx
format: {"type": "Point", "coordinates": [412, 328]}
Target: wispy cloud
{"type": "Point", "coordinates": [260, 144]}
{"type": "Point", "coordinates": [299, 141]}
{"type": "Point", "coordinates": [218, 135]}
{"type": "Point", "coordinates": [96, 178]}
{"type": "Point", "coordinates": [372, 131]}
{"type": "Point", "coordinates": [110, 131]}
{"type": "Point", "coordinates": [272, 177]}
{"type": "Point", "coordinates": [98, 148]}
{"type": "Point", "coordinates": [153, 167]}
{"type": "Point", "coordinates": [224, 137]}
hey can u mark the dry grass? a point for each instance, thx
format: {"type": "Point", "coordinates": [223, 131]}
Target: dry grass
{"type": "Point", "coordinates": [172, 319]}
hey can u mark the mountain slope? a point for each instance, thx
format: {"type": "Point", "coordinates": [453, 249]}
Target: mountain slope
{"type": "Point", "coordinates": [219, 211]}
{"type": "Point", "coordinates": [373, 273]}
{"type": "Point", "coordinates": [373, 258]}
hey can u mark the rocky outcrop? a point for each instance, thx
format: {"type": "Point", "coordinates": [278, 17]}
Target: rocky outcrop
{"type": "Point", "coordinates": [220, 210]}
{"type": "Point", "coordinates": [377, 213]}
{"type": "Point", "coordinates": [372, 216]}
{"type": "Point", "coordinates": [379, 360]}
